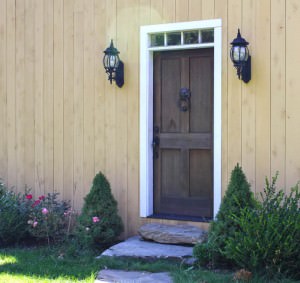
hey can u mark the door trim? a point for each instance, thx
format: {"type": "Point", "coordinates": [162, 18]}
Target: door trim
{"type": "Point", "coordinates": [146, 107]}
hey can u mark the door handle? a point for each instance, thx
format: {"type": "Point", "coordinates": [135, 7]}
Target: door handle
{"type": "Point", "coordinates": [184, 102]}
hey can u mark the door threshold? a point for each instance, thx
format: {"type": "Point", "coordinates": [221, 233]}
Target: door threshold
{"type": "Point", "coordinates": [180, 217]}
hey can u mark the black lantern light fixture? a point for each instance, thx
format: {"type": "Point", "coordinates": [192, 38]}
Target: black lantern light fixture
{"type": "Point", "coordinates": [113, 66]}
{"type": "Point", "coordinates": [240, 57]}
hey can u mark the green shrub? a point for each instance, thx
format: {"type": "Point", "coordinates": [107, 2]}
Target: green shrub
{"type": "Point", "coordinates": [268, 238]}
{"type": "Point", "coordinates": [99, 224]}
{"type": "Point", "coordinates": [237, 197]}
{"type": "Point", "coordinates": [49, 218]}
{"type": "Point", "coordinates": [13, 217]}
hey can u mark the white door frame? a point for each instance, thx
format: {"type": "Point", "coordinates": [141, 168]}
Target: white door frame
{"type": "Point", "coordinates": [146, 105]}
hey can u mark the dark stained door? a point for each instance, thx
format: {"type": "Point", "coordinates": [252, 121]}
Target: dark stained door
{"type": "Point", "coordinates": [183, 133]}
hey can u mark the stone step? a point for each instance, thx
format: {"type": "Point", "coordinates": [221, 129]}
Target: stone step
{"type": "Point", "coordinates": [172, 234]}
{"type": "Point", "coordinates": [113, 276]}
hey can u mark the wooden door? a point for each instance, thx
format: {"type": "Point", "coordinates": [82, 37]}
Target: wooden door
{"type": "Point", "coordinates": [183, 134]}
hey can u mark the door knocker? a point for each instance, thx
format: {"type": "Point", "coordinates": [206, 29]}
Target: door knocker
{"type": "Point", "coordinates": [184, 103]}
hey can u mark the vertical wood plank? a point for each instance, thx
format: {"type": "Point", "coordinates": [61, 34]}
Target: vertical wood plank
{"type": "Point", "coordinates": [88, 99]}
{"type": "Point", "coordinates": [249, 96]}
{"type": "Point", "coordinates": [58, 95]}
{"type": "Point", "coordinates": [20, 91]}
{"type": "Point", "coordinates": [262, 79]}
{"type": "Point", "coordinates": [109, 91]}
{"type": "Point", "coordinates": [278, 94]}
{"type": "Point", "coordinates": [78, 189]}
{"type": "Point", "coordinates": [292, 91]}
{"type": "Point", "coordinates": [208, 9]}
{"type": "Point", "coordinates": [156, 11]}
{"type": "Point", "coordinates": [182, 11]}
{"type": "Point", "coordinates": [39, 98]}
{"type": "Point", "coordinates": [100, 81]}
{"type": "Point", "coordinates": [29, 105]}
{"type": "Point", "coordinates": [195, 10]}
{"type": "Point", "coordinates": [124, 45]}
{"type": "Point", "coordinates": [145, 12]}
{"type": "Point", "coordinates": [48, 95]}
{"type": "Point", "coordinates": [133, 132]}
{"type": "Point", "coordinates": [110, 101]}
{"type": "Point", "coordinates": [234, 92]}
{"type": "Point", "coordinates": [169, 11]}
{"type": "Point", "coordinates": [11, 93]}
{"type": "Point", "coordinates": [221, 12]}
{"type": "Point", "coordinates": [3, 92]}
{"type": "Point", "coordinates": [68, 94]}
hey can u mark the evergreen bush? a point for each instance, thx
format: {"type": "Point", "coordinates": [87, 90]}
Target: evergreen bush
{"type": "Point", "coordinates": [237, 197]}
{"type": "Point", "coordinates": [99, 224]}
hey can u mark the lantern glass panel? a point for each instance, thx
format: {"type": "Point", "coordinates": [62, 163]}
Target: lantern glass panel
{"type": "Point", "coordinates": [113, 61]}
{"type": "Point", "coordinates": [236, 53]}
{"type": "Point", "coordinates": [243, 54]}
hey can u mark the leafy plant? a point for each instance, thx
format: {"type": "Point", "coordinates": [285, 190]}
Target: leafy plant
{"type": "Point", "coordinates": [99, 223]}
{"type": "Point", "coordinates": [268, 238]}
{"type": "Point", "coordinates": [237, 197]}
{"type": "Point", "coordinates": [13, 217]}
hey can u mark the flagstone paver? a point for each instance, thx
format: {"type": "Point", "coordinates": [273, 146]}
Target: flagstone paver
{"type": "Point", "coordinates": [120, 276]}
{"type": "Point", "coordinates": [136, 248]}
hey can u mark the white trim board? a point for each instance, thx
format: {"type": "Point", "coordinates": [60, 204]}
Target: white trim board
{"type": "Point", "coordinates": [146, 105]}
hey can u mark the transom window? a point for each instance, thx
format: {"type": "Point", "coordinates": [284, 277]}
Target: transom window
{"type": "Point", "coordinates": [177, 38]}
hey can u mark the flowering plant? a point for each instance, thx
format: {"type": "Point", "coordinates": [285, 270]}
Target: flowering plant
{"type": "Point", "coordinates": [49, 218]}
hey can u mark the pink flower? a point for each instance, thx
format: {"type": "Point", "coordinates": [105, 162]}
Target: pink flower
{"type": "Point", "coordinates": [96, 219]}
{"type": "Point", "coordinates": [28, 196]}
{"type": "Point", "coordinates": [41, 197]}
{"type": "Point", "coordinates": [45, 211]}
{"type": "Point", "coordinates": [37, 202]}
{"type": "Point", "coordinates": [35, 223]}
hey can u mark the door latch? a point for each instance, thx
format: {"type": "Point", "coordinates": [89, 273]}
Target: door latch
{"type": "Point", "coordinates": [155, 145]}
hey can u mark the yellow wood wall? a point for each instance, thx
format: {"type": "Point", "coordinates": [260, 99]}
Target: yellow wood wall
{"type": "Point", "coordinates": [61, 121]}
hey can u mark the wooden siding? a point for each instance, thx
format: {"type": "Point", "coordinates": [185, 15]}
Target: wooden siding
{"type": "Point", "coordinates": [61, 121]}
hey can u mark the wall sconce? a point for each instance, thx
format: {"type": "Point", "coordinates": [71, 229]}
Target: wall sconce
{"type": "Point", "coordinates": [240, 57]}
{"type": "Point", "coordinates": [113, 66]}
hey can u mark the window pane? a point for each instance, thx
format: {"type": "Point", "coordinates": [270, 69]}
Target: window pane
{"type": "Point", "coordinates": [207, 36]}
{"type": "Point", "coordinates": [157, 39]}
{"type": "Point", "coordinates": [190, 37]}
{"type": "Point", "coordinates": [174, 38]}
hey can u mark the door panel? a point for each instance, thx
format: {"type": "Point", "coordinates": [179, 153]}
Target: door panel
{"type": "Point", "coordinates": [201, 121]}
{"type": "Point", "coordinates": [183, 111]}
{"type": "Point", "coordinates": [170, 120]}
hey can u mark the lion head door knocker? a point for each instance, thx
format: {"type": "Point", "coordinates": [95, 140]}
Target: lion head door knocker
{"type": "Point", "coordinates": [184, 102]}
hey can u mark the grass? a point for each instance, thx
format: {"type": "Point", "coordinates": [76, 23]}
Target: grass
{"type": "Point", "coordinates": [52, 265]}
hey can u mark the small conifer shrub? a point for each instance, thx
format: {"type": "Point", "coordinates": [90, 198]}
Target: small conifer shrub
{"type": "Point", "coordinates": [99, 224]}
{"type": "Point", "coordinates": [238, 196]}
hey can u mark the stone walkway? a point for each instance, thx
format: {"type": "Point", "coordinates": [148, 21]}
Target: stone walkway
{"type": "Point", "coordinates": [137, 247]}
